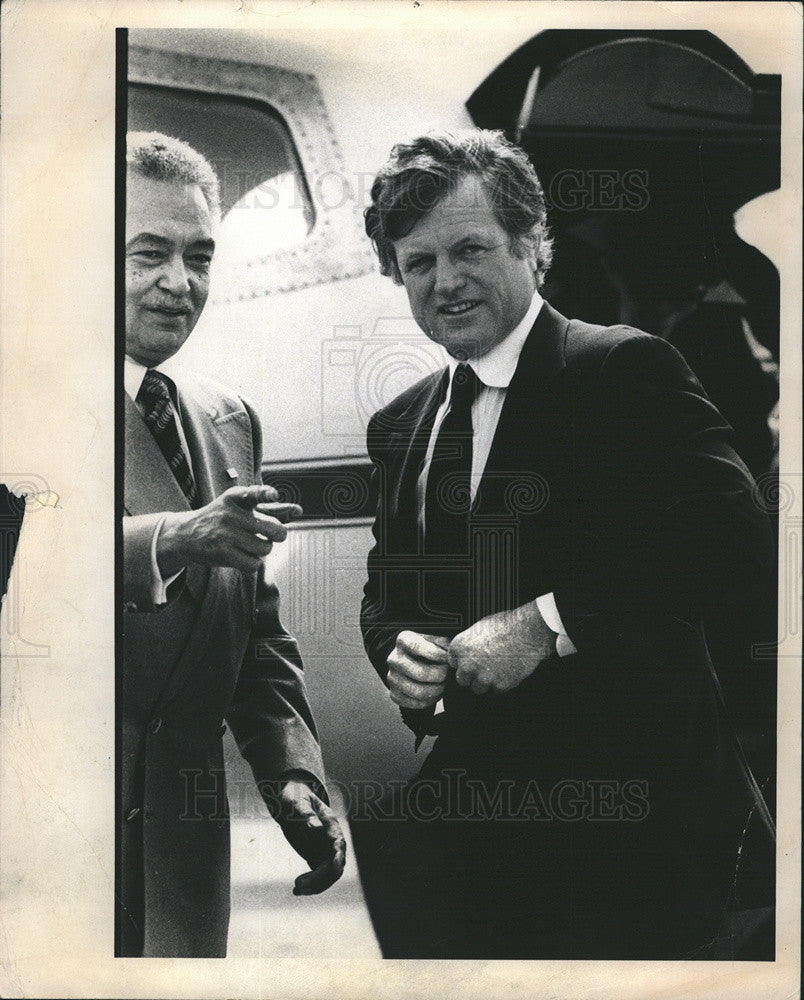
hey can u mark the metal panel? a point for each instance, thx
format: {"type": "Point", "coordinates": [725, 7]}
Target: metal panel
{"type": "Point", "coordinates": [336, 248]}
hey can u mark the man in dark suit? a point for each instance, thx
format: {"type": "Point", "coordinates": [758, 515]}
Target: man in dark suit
{"type": "Point", "coordinates": [560, 511]}
{"type": "Point", "coordinates": [203, 644]}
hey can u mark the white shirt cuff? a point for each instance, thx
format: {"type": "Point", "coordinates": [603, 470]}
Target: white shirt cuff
{"type": "Point", "coordinates": [159, 586]}
{"type": "Point", "coordinates": [552, 619]}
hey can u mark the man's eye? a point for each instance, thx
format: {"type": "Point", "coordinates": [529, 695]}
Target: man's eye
{"type": "Point", "coordinates": [417, 264]}
{"type": "Point", "coordinates": [472, 250]}
{"type": "Point", "coordinates": [201, 260]}
{"type": "Point", "coordinates": [147, 255]}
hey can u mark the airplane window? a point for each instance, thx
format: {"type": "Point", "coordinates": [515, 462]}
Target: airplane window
{"type": "Point", "coordinates": [265, 202]}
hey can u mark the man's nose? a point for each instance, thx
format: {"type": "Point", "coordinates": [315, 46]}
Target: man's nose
{"type": "Point", "coordinates": [448, 275]}
{"type": "Point", "coordinates": [174, 278]}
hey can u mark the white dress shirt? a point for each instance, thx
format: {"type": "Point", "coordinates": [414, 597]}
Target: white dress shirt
{"type": "Point", "coordinates": [133, 375]}
{"type": "Point", "coordinates": [494, 371]}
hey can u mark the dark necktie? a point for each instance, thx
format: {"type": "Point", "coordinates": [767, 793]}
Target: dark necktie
{"type": "Point", "coordinates": [446, 586]}
{"type": "Point", "coordinates": [159, 415]}
{"type": "Point", "coordinates": [447, 497]}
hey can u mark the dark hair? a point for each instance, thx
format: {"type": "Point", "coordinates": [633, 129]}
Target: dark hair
{"type": "Point", "coordinates": [419, 174]}
{"type": "Point", "coordinates": [163, 158]}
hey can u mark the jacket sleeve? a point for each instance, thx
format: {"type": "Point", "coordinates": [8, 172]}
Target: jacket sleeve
{"type": "Point", "coordinates": [677, 529]}
{"type": "Point", "coordinates": [138, 533]}
{"type": "Point", "coordinates": [270, 715]}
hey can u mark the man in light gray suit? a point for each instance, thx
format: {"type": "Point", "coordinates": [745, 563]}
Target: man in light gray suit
{"type": "Point", "coordinates": [203, 644]}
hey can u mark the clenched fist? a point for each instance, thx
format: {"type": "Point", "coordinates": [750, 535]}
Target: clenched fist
{"type": "Point", "coordinates": [498, 652]}
{"type": "Point", "coordinates": [417, 669]}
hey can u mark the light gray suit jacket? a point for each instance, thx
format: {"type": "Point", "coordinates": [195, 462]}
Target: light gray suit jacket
{"type": "Point", "coordinates": [215, 653]}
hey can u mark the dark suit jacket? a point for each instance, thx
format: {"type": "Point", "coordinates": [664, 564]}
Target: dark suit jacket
{"type": "Point", "coordinates": [216, 651]}
{"type": "Point", "coordinates": [612, 483]}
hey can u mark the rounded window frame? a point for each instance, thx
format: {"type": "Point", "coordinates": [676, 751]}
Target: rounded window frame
{"type": "Point", "coordinates": [336, 248]}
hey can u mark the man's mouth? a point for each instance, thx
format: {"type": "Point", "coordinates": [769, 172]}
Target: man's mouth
{"type": "Point", "coordinates": [169, 310]}
{"type": "Point", "coordinates": [459, 308]}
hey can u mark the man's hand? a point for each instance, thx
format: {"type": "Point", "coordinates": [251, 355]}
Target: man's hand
{"type": "Point", "coordinates": [417, 669]}
{"type": "Point", "coordinates": [237, 529]}
{"type": "Point", "coordinates": [311, 829]}
{"type": "Point", "coordinates": [498, 652]}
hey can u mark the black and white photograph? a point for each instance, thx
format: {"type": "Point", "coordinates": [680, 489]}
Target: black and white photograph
{"type": "Point", "coordinates": [403, 541]}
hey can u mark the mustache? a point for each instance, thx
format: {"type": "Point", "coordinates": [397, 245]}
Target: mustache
{"type": "Point", "coordinates": [173, 304]}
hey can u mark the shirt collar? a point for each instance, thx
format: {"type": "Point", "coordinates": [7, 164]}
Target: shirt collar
{"type": "Point", "coordinates": [133, 374]}
{"type": "Point", "coordinates": [496, 369]}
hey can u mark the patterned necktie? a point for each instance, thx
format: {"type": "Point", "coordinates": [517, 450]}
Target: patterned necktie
{"type": "Point", "coordinates": [448, 498]}
{"type": "Point", "coordinates": [160, 417]}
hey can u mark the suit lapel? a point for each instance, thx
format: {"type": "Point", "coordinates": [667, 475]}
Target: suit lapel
{"type": "Point", "coordinates": [149, 484]}
{"type": "Point", "coordinates": [531, 422]}
{"type": "Point", "coordinates": [220, 444]}
{"type": "Point", "coordinates": [530, 404]}
{"type": "Point", "coordinates": [411, 438]}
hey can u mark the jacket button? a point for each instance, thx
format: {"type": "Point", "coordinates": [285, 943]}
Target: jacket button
{"type": "Point", "coordinates": [155, 725]}
{"type": "Point", "coordinates": [130, 606]}
{"type": "Point", "coordinates": [133, 812]}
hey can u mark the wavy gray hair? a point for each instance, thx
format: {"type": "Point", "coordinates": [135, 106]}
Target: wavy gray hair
{"type": "Point", "coordinates": [419, 174]}
{"type": "Point", "coordinates": [163, 158]}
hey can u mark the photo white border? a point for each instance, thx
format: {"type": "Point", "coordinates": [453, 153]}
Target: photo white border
{"type": "Point", "coordinates": [57, 391]}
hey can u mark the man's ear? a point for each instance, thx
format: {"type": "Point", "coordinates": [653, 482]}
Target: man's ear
{"type": "Point", "coordinates": [533, 256]}
{"type": "Point", "coordinates": [526, 250]}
